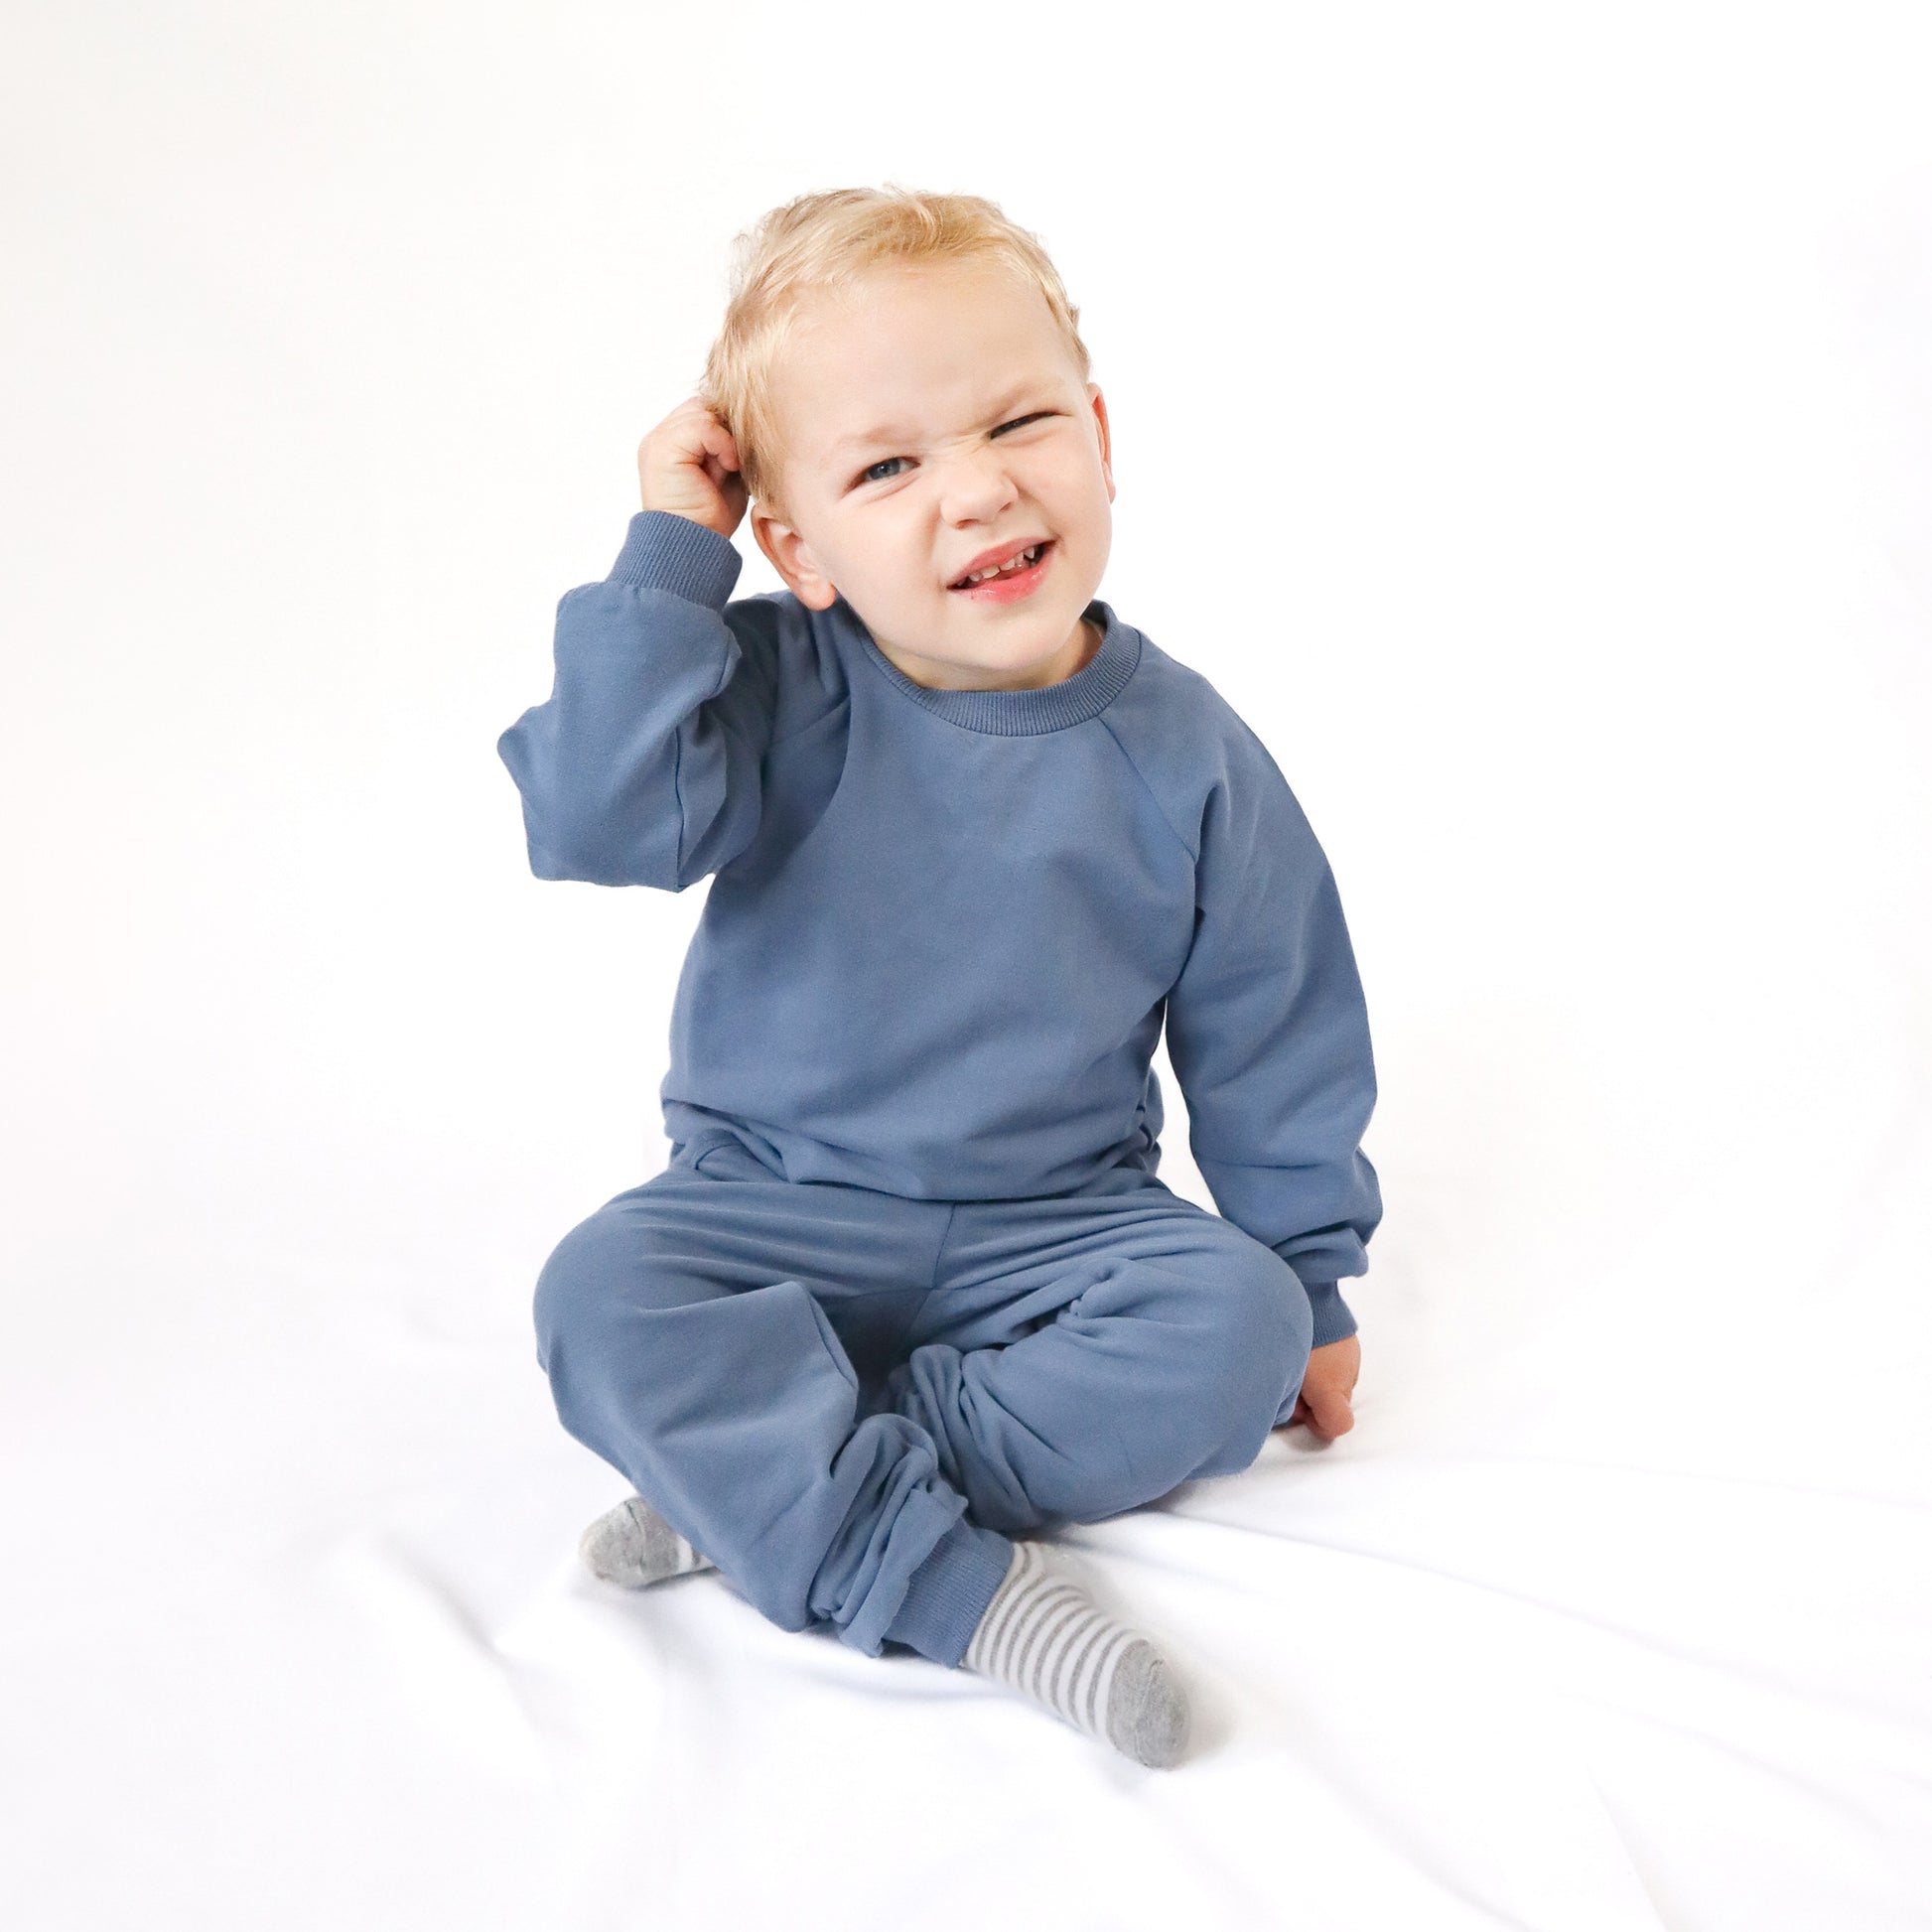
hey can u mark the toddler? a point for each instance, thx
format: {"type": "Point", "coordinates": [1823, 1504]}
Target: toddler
{"type": "Point", "coordinates": [909, 1296]}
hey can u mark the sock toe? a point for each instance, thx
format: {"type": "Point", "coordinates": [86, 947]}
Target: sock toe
{"type": "Point", "coordinates": [1147, 1715]}
{"type": "Point", "coordinates": [617, 1548]}
{"type": "Point", "coordinates": [633, 1547]}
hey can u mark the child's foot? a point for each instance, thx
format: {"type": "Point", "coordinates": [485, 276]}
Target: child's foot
{"type": "Point", "coordinates": [1044, 1636]}
{"type": "Point", "coordinates": [634, 1546]}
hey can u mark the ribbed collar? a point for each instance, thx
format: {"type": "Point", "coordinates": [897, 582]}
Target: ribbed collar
{"type": "Point", "coordinates": [1014, 714]}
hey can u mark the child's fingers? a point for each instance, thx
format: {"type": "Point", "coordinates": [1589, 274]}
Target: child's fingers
{"type": "Point", "coordinates": [720, 442]}
{"type": "Point", "coordinates": [1329, 1415]}
{"type": "Point", "coordinates": [1332, 1416]}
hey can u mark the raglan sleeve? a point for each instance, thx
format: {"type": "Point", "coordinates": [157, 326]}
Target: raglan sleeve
{"type": "Point", "coordinates": [643, 766]}
{"type": "Point", "coordinates": [1268, 1035]}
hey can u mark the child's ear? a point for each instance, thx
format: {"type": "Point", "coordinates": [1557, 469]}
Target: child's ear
{"type": "Point", "coordinates": [1098, 404]}
{"type": "Point", "coordinates": [792, 559]}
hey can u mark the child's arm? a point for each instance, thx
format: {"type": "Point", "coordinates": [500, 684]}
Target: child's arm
{"type": "Point", "coordinates": [644, 765]}
{"type": "Point", "coordinates": [1267, 1035]}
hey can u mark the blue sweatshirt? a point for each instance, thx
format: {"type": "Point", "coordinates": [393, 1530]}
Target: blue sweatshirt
{"type": "Point", "coordinates": [944, 927]}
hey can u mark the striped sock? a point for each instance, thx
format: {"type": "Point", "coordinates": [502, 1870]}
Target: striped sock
{"type": "Point", "coordinates": [634, 1546]}
{"type": "Point", "coordinates": [1044, 1636]}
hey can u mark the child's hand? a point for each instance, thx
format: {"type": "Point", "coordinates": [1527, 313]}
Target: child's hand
{"type": "Point", "coordinates": [1326, 1389]}
{"type": "Point", "coordinates": [688, 465]}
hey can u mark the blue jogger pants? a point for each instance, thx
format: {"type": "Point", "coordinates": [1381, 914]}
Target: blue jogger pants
{"type": "Point", "coordinates": [850, 1401]}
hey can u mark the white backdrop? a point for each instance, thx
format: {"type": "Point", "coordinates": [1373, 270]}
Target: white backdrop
{"type": "Point", "coordinates": [1522, 415]}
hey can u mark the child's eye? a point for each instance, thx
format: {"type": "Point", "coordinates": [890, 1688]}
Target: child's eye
{"type": "Point", "coordinates": [865, 475]}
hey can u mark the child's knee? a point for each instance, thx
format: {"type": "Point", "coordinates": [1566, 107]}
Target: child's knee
{"type": "Point", "coordinates": [1270, 1329]}
{"type": "Point", "coordinates": [574, 1284]}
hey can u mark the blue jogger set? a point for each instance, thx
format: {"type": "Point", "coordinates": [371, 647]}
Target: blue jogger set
{"type": "Point", "coordinates": [909, 1287]}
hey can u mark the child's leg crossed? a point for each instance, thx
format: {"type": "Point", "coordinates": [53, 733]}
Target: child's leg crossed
{"type": "Point", "coordinates": [1081, 1355]}
{"type": "Point", "coordinates": [686, 1346]}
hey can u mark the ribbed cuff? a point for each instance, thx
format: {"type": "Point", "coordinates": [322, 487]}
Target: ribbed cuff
{"type": "Point", "coordinates": [950, 1592]}
{"type": "Point", "coordinates": [1333, 1319]}
{"type": "Point", "coordinates": [667, 552]}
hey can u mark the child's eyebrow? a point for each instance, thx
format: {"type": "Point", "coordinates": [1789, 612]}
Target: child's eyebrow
{"type": "Point", "coordinates": [894, 432]}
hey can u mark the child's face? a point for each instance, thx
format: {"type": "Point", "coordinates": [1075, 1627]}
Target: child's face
{"type": "Point", "coordinates": [942, 359]}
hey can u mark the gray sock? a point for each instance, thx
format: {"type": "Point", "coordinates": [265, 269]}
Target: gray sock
{"type": "Point", "coordinates": [634, 1546]}
{"type": "Point", "coordinates": [1044, 1636]}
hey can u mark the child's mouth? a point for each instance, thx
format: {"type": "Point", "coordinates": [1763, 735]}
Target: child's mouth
{"type": "Point", "coordinates": [1010, 585]}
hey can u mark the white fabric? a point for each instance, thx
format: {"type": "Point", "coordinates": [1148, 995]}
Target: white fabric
{"type": "Point", "coordinates": [1587, 486]}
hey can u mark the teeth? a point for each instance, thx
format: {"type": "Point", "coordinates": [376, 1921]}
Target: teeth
{"type": "Point", "coordinates": [1021, 562]}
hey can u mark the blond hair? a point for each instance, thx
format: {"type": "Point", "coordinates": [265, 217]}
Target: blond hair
{"type": "Point", "coordinates": [829, 241]}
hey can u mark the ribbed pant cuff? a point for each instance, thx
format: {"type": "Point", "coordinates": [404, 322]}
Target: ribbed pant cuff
{"type": "Point", "coordinates": [950, 1592]}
